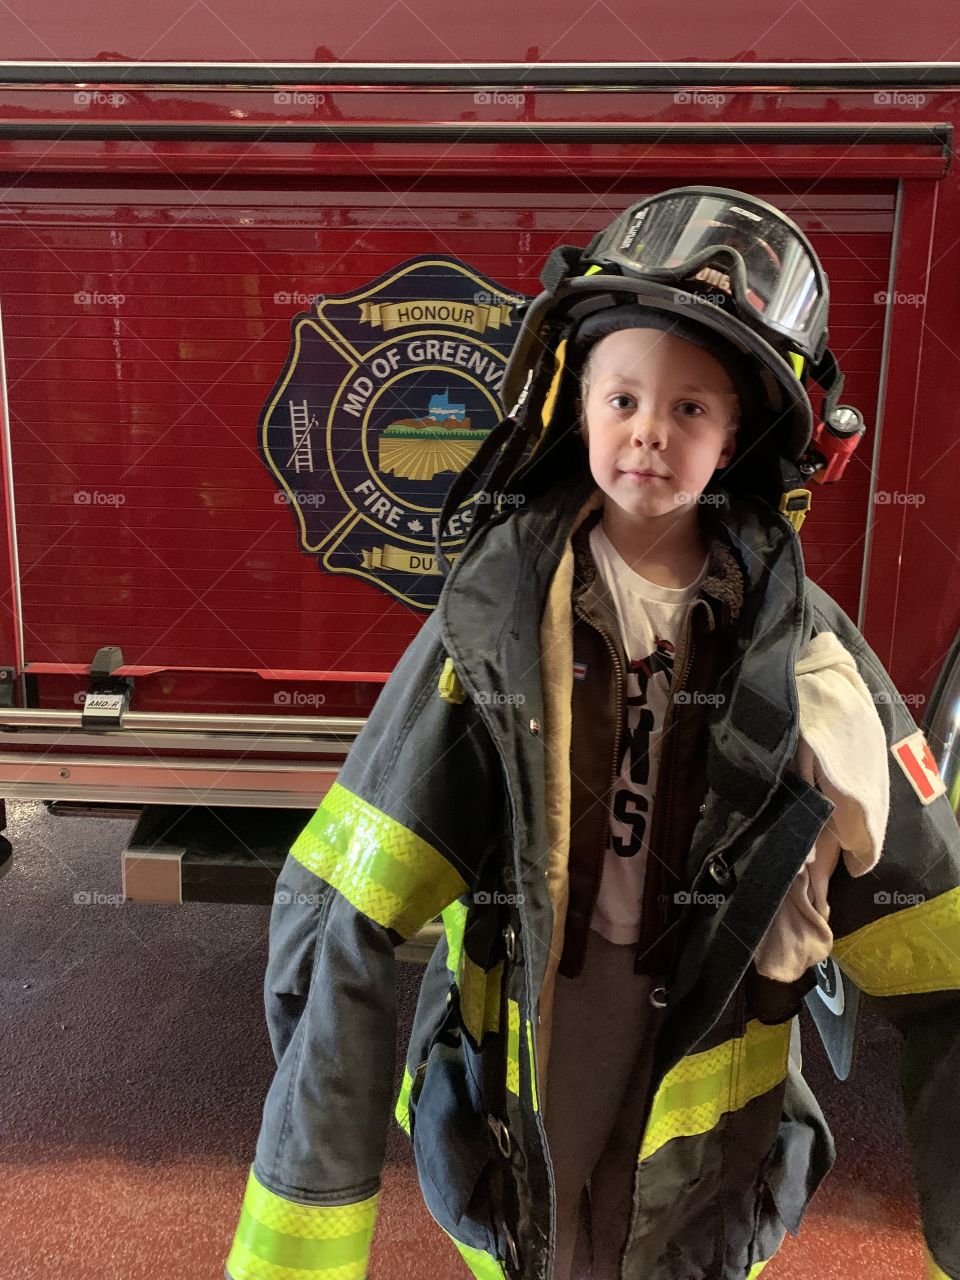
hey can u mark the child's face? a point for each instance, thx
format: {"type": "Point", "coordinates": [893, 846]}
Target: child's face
{"type": "Point", "coordinates": [656, 403]}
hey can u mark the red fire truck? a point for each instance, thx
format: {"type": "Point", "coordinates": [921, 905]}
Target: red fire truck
{"type": "Point", "coordinates": [255, 315]}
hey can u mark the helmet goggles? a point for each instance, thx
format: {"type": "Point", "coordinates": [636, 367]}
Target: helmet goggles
{"type": "Point", "coordinates": [734, 242]}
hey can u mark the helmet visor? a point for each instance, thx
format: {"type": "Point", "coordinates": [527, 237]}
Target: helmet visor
{"type": "Point", "coordinates": [740, 245]}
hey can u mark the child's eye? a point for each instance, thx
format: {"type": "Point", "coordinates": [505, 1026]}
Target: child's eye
{"type": "Point", "coordinates": [691, 404]}
{"type": "Point", "coordinates": [621, 396]}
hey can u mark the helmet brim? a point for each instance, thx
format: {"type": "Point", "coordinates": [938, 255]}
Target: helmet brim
{"type": "Point", "coordinates": [554, 314]}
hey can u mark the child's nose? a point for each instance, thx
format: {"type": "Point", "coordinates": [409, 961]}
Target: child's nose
{"type": "Point", "coordinates": [648, 429]}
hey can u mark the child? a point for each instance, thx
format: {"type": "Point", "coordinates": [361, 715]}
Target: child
{"type": "Point", "coordinates": [623, 758]}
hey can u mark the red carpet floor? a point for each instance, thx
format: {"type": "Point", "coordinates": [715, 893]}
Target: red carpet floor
{"type": "Point", "coordinates": [134, 1060]}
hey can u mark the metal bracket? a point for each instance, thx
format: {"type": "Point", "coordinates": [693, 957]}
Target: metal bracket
{"type": "Point", "coordinates": [7, 677]}
{"type": "Point", "coordinates": [108, 696]}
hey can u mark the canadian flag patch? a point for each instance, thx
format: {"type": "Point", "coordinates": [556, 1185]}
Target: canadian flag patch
{"type": "Point", "coordinates": [916, 760]}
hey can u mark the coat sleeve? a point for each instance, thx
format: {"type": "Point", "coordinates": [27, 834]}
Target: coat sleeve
{"type": "Point", "coordinates": [897, 937]}
{"type": "Point", "coordinates": [403, 832]}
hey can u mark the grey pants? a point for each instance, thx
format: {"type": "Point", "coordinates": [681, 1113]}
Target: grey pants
{"type": "Point", "coordinates": [597, 1082]}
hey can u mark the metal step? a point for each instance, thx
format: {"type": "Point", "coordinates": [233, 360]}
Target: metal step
{"type": "Point", "coordinates": [198, 853]}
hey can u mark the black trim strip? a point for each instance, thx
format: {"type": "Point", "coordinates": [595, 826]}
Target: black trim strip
{"type": "Point", "coordinates": [469, 131]}
{"type": "Point", "coordinates": [599, 75]}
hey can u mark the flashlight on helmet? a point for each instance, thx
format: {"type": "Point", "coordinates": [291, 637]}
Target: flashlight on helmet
{"type": "Point", "coordinates": [833, 443]}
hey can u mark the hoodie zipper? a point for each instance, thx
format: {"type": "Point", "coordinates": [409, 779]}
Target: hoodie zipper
{"type": "Point", "coordinates": [614, 764]}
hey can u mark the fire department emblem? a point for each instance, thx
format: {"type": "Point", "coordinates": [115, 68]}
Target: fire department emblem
{"type": "Point", "coordinates": [386, 394]}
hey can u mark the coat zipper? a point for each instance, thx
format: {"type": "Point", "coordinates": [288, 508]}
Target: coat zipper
{"type": "Point", "coordinates": [661, 818]}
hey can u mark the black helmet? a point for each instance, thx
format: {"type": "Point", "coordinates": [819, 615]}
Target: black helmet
{"type": "Point", "coordinates": [734, 267]}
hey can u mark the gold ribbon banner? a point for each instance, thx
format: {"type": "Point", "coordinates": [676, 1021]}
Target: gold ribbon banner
{"type": "Point", "coordinates": [478, 317]}
{"type": "Point", "coordinates": [398, 560]}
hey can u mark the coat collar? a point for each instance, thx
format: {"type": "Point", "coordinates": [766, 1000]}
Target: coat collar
{"type": "Point", "coordinates": [493, 601]}
{"type": "Point", "coordinates": [722, 588]}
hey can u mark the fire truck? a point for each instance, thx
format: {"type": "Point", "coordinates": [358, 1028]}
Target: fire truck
{"type": "Point", "coordinates": [255, 318]}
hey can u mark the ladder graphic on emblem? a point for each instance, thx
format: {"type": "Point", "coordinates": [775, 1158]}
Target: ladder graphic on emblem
{"type": "Point", "coordinates": [301, 459]}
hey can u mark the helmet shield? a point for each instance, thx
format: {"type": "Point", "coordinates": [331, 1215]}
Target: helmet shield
{"type": "Point", "coordinates": [739, 244]}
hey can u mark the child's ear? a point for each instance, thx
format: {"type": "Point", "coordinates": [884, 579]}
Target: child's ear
{"type": "Point", "coordinates": [579, 417]}
{"type": "Point", "coordinates": [728, 450]}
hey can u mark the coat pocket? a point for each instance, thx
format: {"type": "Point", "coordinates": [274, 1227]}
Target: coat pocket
{"type": "Point", "coordinates": [300, 906]}
{"type": "Point", "coordinates": [299, 903]}
{"type": "Point", "coordinates": [799, 1160]}
{"type": "Point", "coordinates": [454, 1150]}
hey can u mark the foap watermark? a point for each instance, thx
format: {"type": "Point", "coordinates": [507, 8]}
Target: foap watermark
{"type": "Point", "coordinates": [297, 298]}
{"type": "Point", "coordinates": [898, 498]}
{"type": "Point", "coordinates": [884, 696]}
{"type": "Point", "coordinates": [98, 498]}
{"type": "Point", "coordinates": [97, 98]}
{"type": "Point", "coordinates": [897, 98]}
{"type": "Point", "coordinates": [495, 498]}
{"type": "Point", "coordinates": [286, 898]}
{"type": "Point", "coordinates": [84, 298]}
{"type": "Point", "coordinates": [298, 698]}
{"type": "Point", "coordinates": [484, 297]}
{"type": "Point", "coordinates": [497, 698]}
{"type": "Point", "coordinates": [94, 898]}
{"type": "Point", "coordinates": [895, 898]}
{"type": "Point", "coordinates": [714, 299]}
{"type": "Point", "coordinates": [495, 898]}
{"type": "Point", "coordinates": [899, 299]}
{"type": "Point", "coordinates": [299, 499]}
{"type": "Point", "coordinates": [697, 698]}
{"type": "Point", "coordinates": [698, 98]}
{"type": "Point", "coordinates": [694, 898]}
{"type": "Point", "coordinates": [684, 498]}
{"type": "Point", "coordinates": [298, 98]}
{"type": "Point", "coordinates": [496, 98]}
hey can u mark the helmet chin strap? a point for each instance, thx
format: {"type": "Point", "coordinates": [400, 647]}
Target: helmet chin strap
{"type": "Point", "coordinates": [509, 438]}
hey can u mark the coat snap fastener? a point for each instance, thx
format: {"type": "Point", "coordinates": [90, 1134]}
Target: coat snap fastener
{"type": "Point", "coordinates": [534, 726]}
{"type": "Point", "coordinates": [510, 940]}
{"type": "Point", "coordinates": [703, 807]}
{"type": "Point", "coordinates": [511, 1248]}
{"type": "Point", "coordinates": [502, 1135]}
{"type": "Point", "coordinates": [719, 871]}
{"type": "Point", "coordinates": [658, 997]}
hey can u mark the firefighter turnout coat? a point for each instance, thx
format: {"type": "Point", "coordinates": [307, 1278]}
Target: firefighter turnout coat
{"type": "Point", "coordinates": [456, 799]}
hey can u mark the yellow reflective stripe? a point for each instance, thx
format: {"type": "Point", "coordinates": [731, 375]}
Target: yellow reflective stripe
{"type": "Point", "coordinates": [385, 871]}
{"type": "Point", "coordinates": [454, 923]}
{"type": "Point", "coordinates": [482, 1265]}
{"type": "Point", "coordinates": [907, 952]}
{"type": "Point", "coordinates": [755, 1270]}
{"type": "Point", "coordinates": [449, 685]}
{"type": "Point", "coordinates": [560, 359]}
{"type": "Point", "coordinates": [402, 1110]}
{"type": "Point", "coordinates": [533, 1070]}
{"type": "Point", "coordinates": [933, 1272]}
{"type": "Point", "coordinates": [278, 1239]}
{"type": "Point", "coordinates": [479, 996]}
{"type": "Point", "coordinates": [696, 1092]}
{"type": "Point", "coordinates": [513, 1047]}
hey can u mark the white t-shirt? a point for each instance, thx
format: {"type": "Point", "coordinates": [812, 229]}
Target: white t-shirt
{"type": "Point", "coordinates": [651, 619]}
